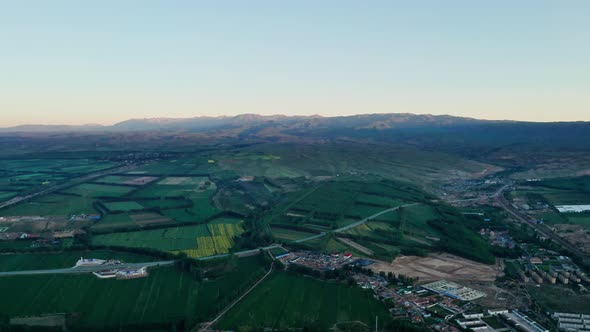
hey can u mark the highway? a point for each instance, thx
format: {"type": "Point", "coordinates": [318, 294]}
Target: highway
{"type": "Point", "coordinates": [540, 228]}
{"type": "Point", "coordinates": [70, 183]}
{"type": "Point", "coordinates": [86, 269]}
{"type": "Point", "coordinates": [355, 224]}
{"type": "Point", "coordinates": [245, 253]}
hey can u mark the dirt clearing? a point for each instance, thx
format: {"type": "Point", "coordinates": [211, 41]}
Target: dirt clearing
{"type": "Point", "coordinates": [439, 266]}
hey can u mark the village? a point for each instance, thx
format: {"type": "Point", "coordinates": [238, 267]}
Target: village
{"type": "Point", "coordinates": [110, 269]}
{"type": "Point", "coordinates": [442, 305]}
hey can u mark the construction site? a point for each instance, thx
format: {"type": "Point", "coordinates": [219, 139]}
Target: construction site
{"type": "Point", "coordinates": [439, 266]}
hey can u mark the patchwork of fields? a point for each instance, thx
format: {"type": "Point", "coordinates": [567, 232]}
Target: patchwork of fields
{"type": "Point", "coordinates": [335, 204]}
{"type": "Point", "coordinates": [214, 238]}
{"type": "Point", "coordinates": [305, 302]}
{"type": "Point", "coordinates": [21, 176]}
{"type": "Point", "coordinates": [166, 295]}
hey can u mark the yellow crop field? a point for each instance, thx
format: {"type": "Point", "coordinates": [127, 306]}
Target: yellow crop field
{"type": "Point", "coordinates": [220, 241]}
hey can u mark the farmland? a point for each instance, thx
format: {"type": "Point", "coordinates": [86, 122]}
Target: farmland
{"type": "Point", "coordinates": [167, 295]}
{"type": "Point", "coordinates": [123, 206]}
{"type": "Point", "coordinates": [22, 176]}
{"type": "Point", "coordinates": [287, 234]}
{"type": "Point", "coordinates": [196, 241]}
{"type": "Point", "coordinates": [196, 205]}
{"type": "Point", "coordinates": [130, 220]}
{"type": "Point", "coordinates": [551, 298]}
{"type": "Point", "coordinates": [561, 191]}
{"type": "Point", "coordinates": [335, 204]}
{"type": "Point", "coordinates": [126, 180]}
{"type": "Point", "coordinates": [53, 204]}
{"type": "Point", "coordinates": [99, 190]}
{"type": "Point", "coordinates": [305, 303]}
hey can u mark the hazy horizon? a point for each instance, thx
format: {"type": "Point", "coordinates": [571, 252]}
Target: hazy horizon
{"type": "Point", "coordinates": [72, 63]}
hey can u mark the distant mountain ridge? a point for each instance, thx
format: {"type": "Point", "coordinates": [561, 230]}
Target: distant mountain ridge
{"type": "Point", "coordinates": [431, 132]}
{"type": "Point", "coordinates": [364, 121]}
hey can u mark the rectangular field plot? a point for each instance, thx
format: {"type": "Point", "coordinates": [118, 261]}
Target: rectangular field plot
{"type": "Point", "coordinates": [124, 206]}
{"type": "Point", "coordinates": [289, 234]}
{"type": "Point", "coordinates": [6, 195]}
{"type": "Point", "coordinates": [183, 181]}
{"type": "Point", "coordinates": [196, 241]}
{"type": "Point", "coordinates": [127, 180]}
{"type": "Point", "coordinates": [338, 203]}
{"type": "Point", "coordinates": [166, 295]}
{"type": "Point", "coordinates": [52, 205]}
{"type": "Point", "coordinates": [99, 190]}
{"type": "Point", "coordinates": [304, 302]}
{"type": "Point", "coordinates": [73, 166]}
{"type": "Point", "coordinates": [116, 221]}
{"type": "Point", "coordinates": [186, 166]}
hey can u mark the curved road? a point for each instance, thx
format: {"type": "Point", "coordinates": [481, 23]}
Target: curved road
{"type": "Point", "coordinates": [86, 269]}
{"type": "Point", "coordinates": [540, 228]}
{"type": "Point", "coordinates": [355, 224]}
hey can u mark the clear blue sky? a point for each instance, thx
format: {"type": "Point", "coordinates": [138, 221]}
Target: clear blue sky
{"type": "Point", "coordinates": [106, 61]}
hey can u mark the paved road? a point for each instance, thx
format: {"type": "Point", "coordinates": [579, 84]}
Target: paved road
{"type": "Point", "coordinates": [541, 229]}
{"type": "Point", "coordinates": [355, 224]}
{"type": "Point", "coordinates": [86, 269]}
{"type": "Point", "coordinates": [71, 182]}
{"type": "Point", "coordinates": [207, 326]}
{"type": "Point", "coordinates": [245, 253]}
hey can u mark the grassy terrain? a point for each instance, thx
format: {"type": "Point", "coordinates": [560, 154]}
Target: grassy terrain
{"type": "Point", "coordinates": [166, 295]}
{"type": "Point", "coordinates": [99, 190]}
{"type": "Point", "coordinates": [34, 261]}
{"type": "Point", "coordinates": [197, 241]}
{"type": "Point", "coordinates": [53, 204]}
{"type": "Point", "coordinates": [196, 193]}
{"type": "Point", "coordinates": [286, 234]}
{"type": "Point", "coordinates": [552, 298]}
{"type": "Point", "coordinates": [198, 165]}
{"type": "Point", "coordinates": [561, 191]}
{"type": "Point", "coordinates": [75, 166]}
{"type": "Point", "coordinates": [305, 302]}
{"type": "Point", "coordinates": [123, 206]}
{"type": "Point", "coordinates": [333, 204]}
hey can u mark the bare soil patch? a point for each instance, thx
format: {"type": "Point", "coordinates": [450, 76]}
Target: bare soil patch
{"type": "Point", "coordinates": [577, 235]}
{"type": "Point", "coordinates": [439, 266]}
{"type": "Point", "coordinates": [45, 320]}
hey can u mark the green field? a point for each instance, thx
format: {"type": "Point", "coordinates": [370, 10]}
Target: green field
{"type": "Point", "coordinates": [288, 234]}
{"type": "Point", "coordinates": [181, 202]}
{"type": "Point", "coordinates": [124, 206]}
{"type": "Point", "coordinates": [187, 166]}
{"type": "Point", "coordinates": [553, 298]}
{"type": "Point", "coordinates": [34, 261]}
{"type": "Point", "coordinates": [579, 219]}
{"type": "Point", "coordinates": [305, 302]}
{"type": "Point", "coordinates": [74, 166]}
{"type": "Point", "coordinates": [561, 191]}
{"type": "Point", "coordinates": [166, 295]}
{"type": "Point", "coordinates": [337, 203]}
{"type": "Point", "coordinates": [52, 204]}
{"type": "Point", "coordinates": [196, 241]}
{"type": "Point", "coordinates": [6, 195]}
{"type": "Point", "coordinates": [130, 220]}
{"type": "Point", "coordinates": [99, 190]}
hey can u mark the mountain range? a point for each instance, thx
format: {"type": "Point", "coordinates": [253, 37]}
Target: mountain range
{"type": "Point", "coordinates": [203, 123]}
{"type": "Point", "coordinates": [431, 131]}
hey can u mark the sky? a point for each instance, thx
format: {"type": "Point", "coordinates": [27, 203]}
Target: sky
{"type": "Point", "coordinates": [79, 62]}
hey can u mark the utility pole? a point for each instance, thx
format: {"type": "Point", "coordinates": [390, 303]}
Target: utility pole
{"type": "Point", "coordinates": [376, 318]}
